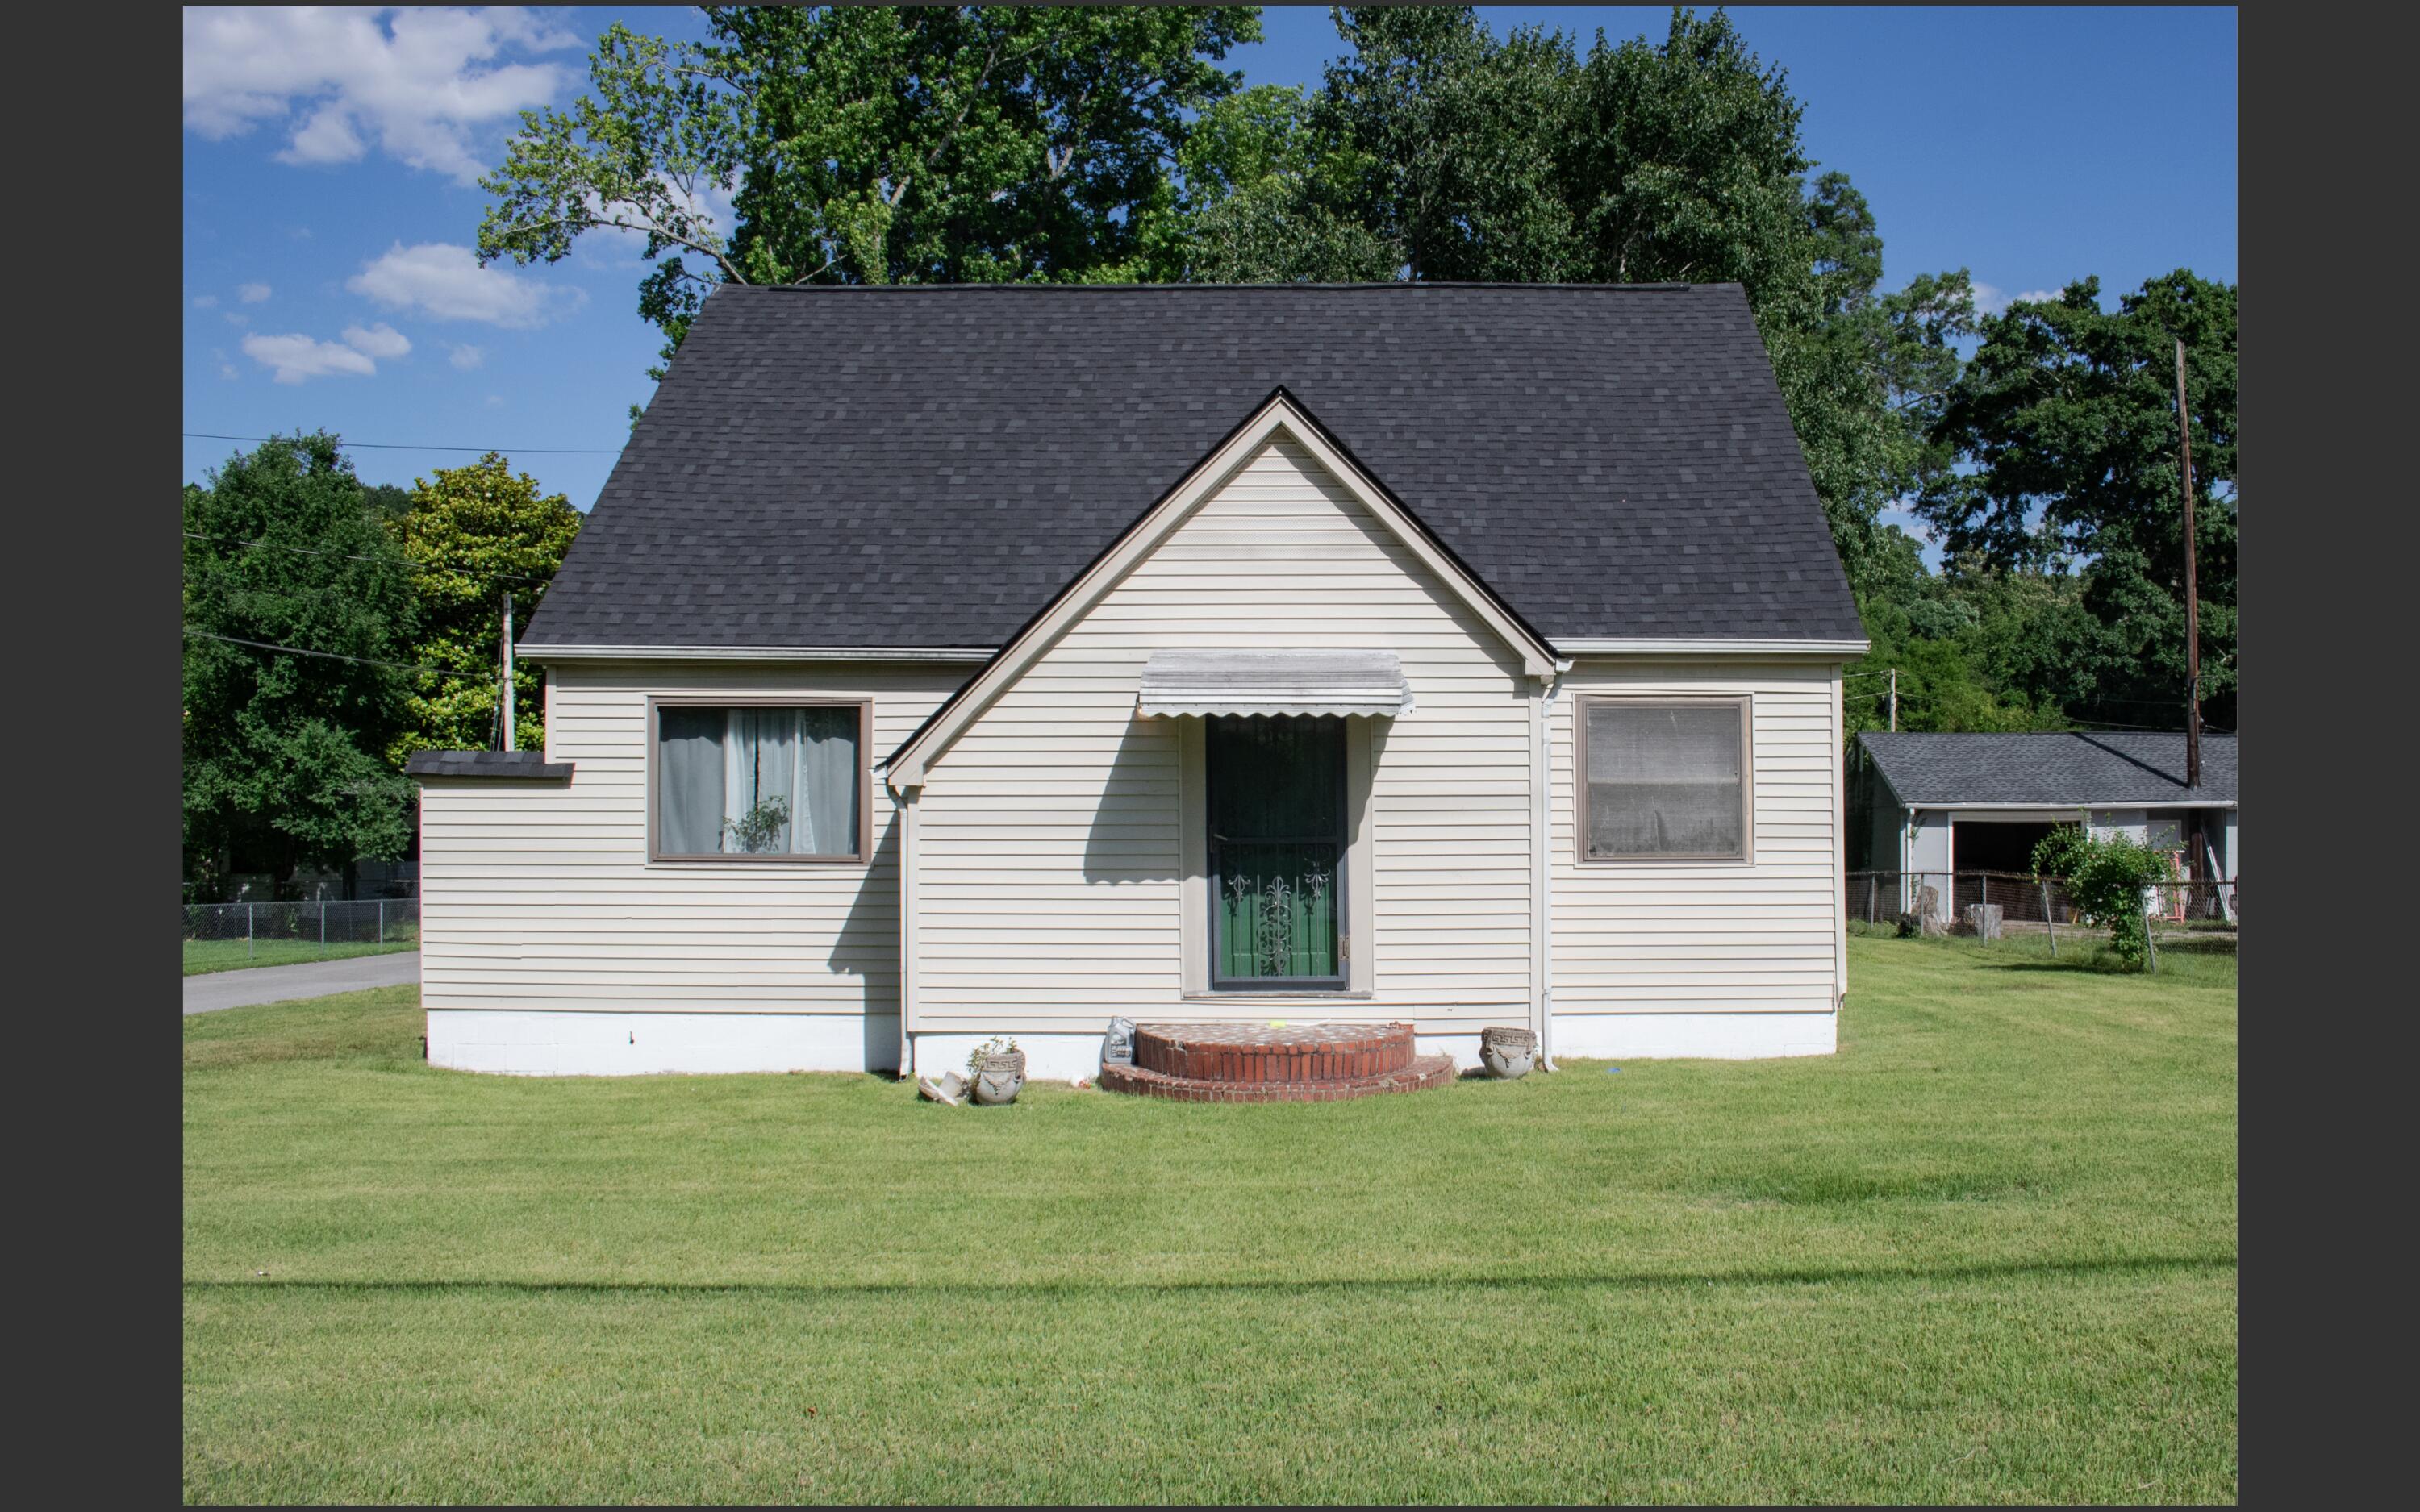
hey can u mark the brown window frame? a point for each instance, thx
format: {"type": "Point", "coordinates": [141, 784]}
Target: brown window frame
{"type": "Point", "coordinates": [1744, 702]}
{"type": "Point", "coordinates": [864, 707]}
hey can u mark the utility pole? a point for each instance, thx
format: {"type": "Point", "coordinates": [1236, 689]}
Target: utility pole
{"type": "Point", "coordinates": [508, 671]}
{"type": "Point", "coordinates": [1894, 698]}
{"type": "Point", "coordinates": [2193, 590]}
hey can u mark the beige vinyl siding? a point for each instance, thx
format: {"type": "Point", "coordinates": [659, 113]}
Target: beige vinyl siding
{"type": "Point", "coordinates": [1050, 843]}
{"type": "Point", "coordinates": [1665, 936]}
{"type": "Point", "coordinates": [541, 895]}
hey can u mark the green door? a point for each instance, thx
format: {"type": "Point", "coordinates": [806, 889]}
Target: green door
{"type": "Point", "coordinates": [1276, 850]}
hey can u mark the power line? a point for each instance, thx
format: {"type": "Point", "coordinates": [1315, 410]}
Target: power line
{"type": "Point", "coordinates": [401, 446]}
{"type": "Point", "coordinates": [355, 556]}
{"type": "Point", "coordinates": [334, 655]}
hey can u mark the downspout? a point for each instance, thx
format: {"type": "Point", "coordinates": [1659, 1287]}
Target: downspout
{"type": "Point", "coordinates": [907, 799]}
{"type": "Point", "coordinates": [1543, 848]}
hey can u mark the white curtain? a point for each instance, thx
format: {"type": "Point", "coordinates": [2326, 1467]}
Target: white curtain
{"type": "Point", "coordinates": [690, 782]}
{"type": "Point", "coordinates": [807, 761]}
{"type": "Point", "coordinates": [760, 763]}
{"type": "Point", "coordinates": [824, 782]}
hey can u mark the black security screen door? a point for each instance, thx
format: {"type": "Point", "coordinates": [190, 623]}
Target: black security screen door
{"type": "Point", "coordinates": [1277, 849]}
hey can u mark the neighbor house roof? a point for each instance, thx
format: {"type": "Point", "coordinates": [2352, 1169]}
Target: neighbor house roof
{"type": "Point", "coordinates": [2085, 768]}
{"type": "Point", "coordinates": [928, 467]}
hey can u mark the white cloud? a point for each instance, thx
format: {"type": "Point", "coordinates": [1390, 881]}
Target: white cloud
{"type": "Point", "coordinates": [252, 293]}
{"type": "Point", "coordinates": [210, 301]}
{"type": "Point", "coordinates": [295, 358]}
{"type": "Point", "coordinates": [447, 282]}
{"type": "Point", "coordinates": [381, 340]}
{"type": "Point", "coordinates": [235, 319]}
{"type": "Point", "coordinates": [1990, 298]}
{"type": "Point", "coordinates": [226, 370]}
{"type": "Point", "coordinates": [420, 84]}
{"type": "Point", "coordinates": [466, 356]}
{"type": "Point", "coordinates": [495, 401]}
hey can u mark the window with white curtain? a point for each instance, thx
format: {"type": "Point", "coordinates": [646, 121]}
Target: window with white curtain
{"type": "Point", "coordinates": [1664, 780]}
{"type": "Point", "coordinates": [759, 781]}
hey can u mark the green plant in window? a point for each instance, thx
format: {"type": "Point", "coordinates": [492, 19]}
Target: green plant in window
{"type": "Point", "coordinates": [759, 830]}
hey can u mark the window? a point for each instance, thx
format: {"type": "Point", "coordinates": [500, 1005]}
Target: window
{"type": "Point", "coordinates": [1276, 834]}
{"type": "Point", "coordinates": [1664, 781]}
{"type": "Point", "coordinates": [770, 782]}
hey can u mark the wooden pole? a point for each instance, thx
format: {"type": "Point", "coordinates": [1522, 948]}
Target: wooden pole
{"type": "Point", "coordinates": [2193, 590]}
{"type": "Point", "coordinates": [1894, 698]}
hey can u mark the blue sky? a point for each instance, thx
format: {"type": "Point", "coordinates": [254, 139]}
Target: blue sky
{"type": "Point", "coordinates": [328, 207]}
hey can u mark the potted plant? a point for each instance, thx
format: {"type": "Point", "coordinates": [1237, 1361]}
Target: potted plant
{"type": "Point", "coordinates": [999, 1069]}
{"type": "Point", "coordinates": [1508, 1052]}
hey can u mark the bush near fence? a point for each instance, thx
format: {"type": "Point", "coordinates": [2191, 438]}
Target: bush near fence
{"type": "Point", "coordinates": [2025, 898]}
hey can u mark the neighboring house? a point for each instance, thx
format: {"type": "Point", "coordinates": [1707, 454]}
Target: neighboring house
{"type": "Point", "coordinates": [949, 662]}
{"type": "Point", "coordinates": [1937, 804]}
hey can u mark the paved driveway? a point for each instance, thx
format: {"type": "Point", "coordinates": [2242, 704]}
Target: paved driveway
{"type": "Point", "coordinates": [313, 979]}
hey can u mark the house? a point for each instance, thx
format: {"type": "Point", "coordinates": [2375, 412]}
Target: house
{"type": "Point", "coordinates": [944, 663]}
{"type": "Point", "coordinates": [1930, 805]}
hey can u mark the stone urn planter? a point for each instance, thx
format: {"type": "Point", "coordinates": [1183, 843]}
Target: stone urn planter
{"type": "Point", "coordinates": [999, 1077]}
{"type": "Point", "coordinates": [1508, 1052]}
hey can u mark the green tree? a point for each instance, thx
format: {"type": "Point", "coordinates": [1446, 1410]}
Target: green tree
{"type": "Point", "coordinates": [872, 144]}
{"type": "Point", "coordinates": [283, 761]}
{"type": "Point", "coordinates": [1259, 200]}
{"type": "Point", "coordinates": [2066, 414]}
{"type": "Point", "coordinates": [473, 535]}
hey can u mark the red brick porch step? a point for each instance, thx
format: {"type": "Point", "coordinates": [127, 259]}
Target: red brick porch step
{"type": "Point", "coordinates": [1271, 1063]}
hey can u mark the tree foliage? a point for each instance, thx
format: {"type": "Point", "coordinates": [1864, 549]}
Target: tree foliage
{"type": "Point", "coordinates": [2068, 416]}
{"type": "Point", "coordinates": [283, 754]}
{"type": "Point", "coordinates": [473, 535]}
{"type": "Point", "coordinates": [872, 144]}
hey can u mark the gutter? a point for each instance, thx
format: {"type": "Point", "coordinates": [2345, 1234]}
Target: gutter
{"type": "Point", "coordinates": [2071, 808]}
{"type": "Point", "coordinates": [634, 653]}
{"type": "Point", "coordinates": [1543, 913]}
{"type": "Point", "coordinates": [1709, 646]}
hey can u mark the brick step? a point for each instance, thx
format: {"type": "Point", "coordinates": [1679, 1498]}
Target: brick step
{"type": "Point", "coordinates": [1259, 1054]}
{"type": "Point", "coordinates": [1418, 1076]}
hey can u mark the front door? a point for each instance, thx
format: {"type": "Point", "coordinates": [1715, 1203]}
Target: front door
{"type": "Point", "coordinates": [1276, 852]}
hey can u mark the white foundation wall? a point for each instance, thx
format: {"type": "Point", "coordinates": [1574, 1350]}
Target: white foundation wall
{"type": "Point", "coordinates": [1049, 836]}
{"type": "Point", "coordinates": [1722, 1036]}
{"type": "Point", "coordinates": [538, 898]}
{"type": "Point", "coordinates": [579, 1043]}
{"type": "Point", "coordinates": [1707, 958]}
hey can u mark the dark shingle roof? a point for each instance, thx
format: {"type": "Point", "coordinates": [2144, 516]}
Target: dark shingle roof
{"type": "Point", "coordinates": [927, 467]}
{"type": "Point", "coordinates": [2087, 768]}
{"type": "Point", "coordinates": [526, 766]}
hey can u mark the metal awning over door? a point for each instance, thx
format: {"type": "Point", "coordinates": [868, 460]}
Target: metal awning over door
{"type": "Point", "coordinates": [1274, 681]}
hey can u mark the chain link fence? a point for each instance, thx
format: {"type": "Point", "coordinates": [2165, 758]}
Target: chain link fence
{"type": "Point", "coordinates": [219, 937]}
{"type": "Point", "coordinates": [1989, 903]}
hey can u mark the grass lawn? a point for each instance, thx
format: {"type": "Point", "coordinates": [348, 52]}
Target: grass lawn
{"type": "Point", "coordinates": [1987, 1253]}
{"type": "Point", "coordinates": [233, 955]}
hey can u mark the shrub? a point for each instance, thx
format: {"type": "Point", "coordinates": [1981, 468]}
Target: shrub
{"type": "Point", "coordinates": [2106, 875]}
